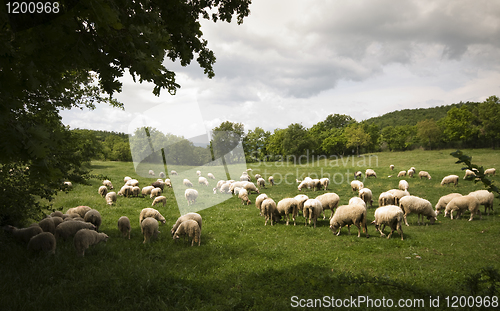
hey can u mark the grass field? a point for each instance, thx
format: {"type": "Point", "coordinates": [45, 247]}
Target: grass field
{"type": "Point", "coordinates": [244, 265]}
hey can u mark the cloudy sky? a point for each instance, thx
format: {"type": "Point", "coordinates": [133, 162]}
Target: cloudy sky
{"type": "Point", "coordinates": [298, 61]}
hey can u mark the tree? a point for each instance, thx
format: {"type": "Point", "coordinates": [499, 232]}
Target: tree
{"type": "Point", "coordinates": [74, 56]}
{"type": "Point", "coordinates": [488, 113]}
{"type": "Point", "coordinates": [295, 140]}
{"type": "Point", "coordinates": [460, 124]}
{"type": "Point", "coordinates": [398, 137]}
{"type": "Point", "coordinates": [356, 137]}
{"type": "Point", "coordinates": [274, 145]}
{"type": "Point", "coordinates": [428, 132]}
{"type": "Point", "coordinates": [225, 138]}
{"type": "Point", "coordinates": [254, 144]}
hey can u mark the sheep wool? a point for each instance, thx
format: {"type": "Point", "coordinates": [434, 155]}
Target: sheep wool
{"type": "Point", "coordinates": [325, 182]}
{"type": "Point", "coordinates": [162, 175]}
{"type": "Point", "coordinates": [187, 183]}
{"type": "Point", "coordinates": [329, 200]}
{"type": "Point", "coordinates": [149, 228]}
{"type": "Point", "coordinates": [450, 179]}
{"type": "Point", "coordinates": [132, 183]}
{"type": "Point", "coordinates": [469, 173]}
{"type": "Point", "coordinates": [149, 212]}
{"type": "Point", "coordinates": [126, 178]}
{"type": "Point", "coordinates": [370, 173]}
{"type": "Point", "coordinates": [111, 198]}
{"type": "Point", "coordinates": [125, 191]}
{"type": "Point", "coordinates": [403, 185]}
{"type": "Point", "coordinates": [124, 226]}
{"type": "Point", "coordinates": [390, 215]}
{"type": "Point", "coordinates": [155, 192]}
{"type": "Point", "coordinates": [490, 171]}
{"type": "Point", "coordinates": [173, 172]}
{"type": "Point", "coordinates": [312, 209]}
{"type": "Point", "coordinates": [159, 199]}
{"type": "Point", "coordinates": [424, 174]}
{"type": "Point", "coordinates": [288, 206]}
{"type": "Point", "coordinates": [189, 228]}
{"type": "Point", "coordinates": [356, 201]}
{"type": "Point", "coordinates": [347, 215]}
{"type": "Point", "coordinates": [401, 173]}
{"type": "Point", "coordinates": [159, 184]}
{"type": "Point", "coordinates": [191, 195]}
{"type": "Point", "coordinates": [258, 202]}
{"type": "Point", "coordinates": [79, 210]}
{"type": "Point", "coordinates": [94, 217]}
{"type": "Point", "coordinates": [136, 191]}
{"type": "Point", "coordinates": [146, 190]}
{"type": "Point", "coordinates": [48, 225]}
{"type": "Point", "coordinates": [203, 181]}
{"type": "Point", "coordinates": [151, 172]}
{"type": "Point", "coordinates": [444, 200]}
{"type": "Point", "coordinates": [211, 176]}
{"type": "Point", "coordinates": [108, 184]}
{"type": "Point", "coordinates": [23, 234]}
{"type": "Point", "coordinates": [385, 198]}
{"type": "Point", "coordinates": [85, 238]}
{"type": "Point", "coordinates": [366, 195]}
{"type": "Point", "coordinates": [422, 207]}
{"type": "Point", "coordinates": [356, 185]}
{"type": "Point", "coordinates": [391, 167]}
{"type": "Point", "coordinates": [243, 195]}
{"type": "Point", "coordinates": [69, 228]}
{"type": "Point", "coordinates": [42, 242]}
{"type": "Point", "coordinates": [484, 197]}
{"type": "Point", "coordinates": [193, 216]}
{"type": "Point", "coordinates": [398, 194]}
{"type": "Point", "coordinates": [301, 198]}
{"type": "Point", "coordinates": [271, 180]}
{"type": "Point", "coordinates": [103, 190]}
{"type": "Point", "coordinates": [250, 186]}
{"type": "Point", "coordinates": [261, 182]}
{"type": "Point", "coordinates": [461, 204]}
{"type": "Point", "coordinates": [270, 211]}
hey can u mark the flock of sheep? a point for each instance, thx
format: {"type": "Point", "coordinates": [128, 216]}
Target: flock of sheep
{"type": "Point", "coordinates": [82, 222]}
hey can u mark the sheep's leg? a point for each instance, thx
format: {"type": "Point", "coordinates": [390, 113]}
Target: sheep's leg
{"type": "Point", "coordinates": [359, 229]}
{"type": "Point", "coordinates": [406, 222]}
{"type": "Point", "coordinates": [389, 236]}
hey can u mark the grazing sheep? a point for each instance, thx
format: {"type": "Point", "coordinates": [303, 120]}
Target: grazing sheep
{"type": "Point", "coordinates": [149, 212]}
{"type": "Point", "coordinates": [85, 238]}
{"type": "Point", "coordinates": [108, 184]}
{"type": "Point", "coordinates": [132, 183]}
{"type": "Point", "coordinates": [422, 207]}
{"type": "Point", "coordinates": [103, 190]}
{"type": "Point", "coordinates": [126, 178]}
{"type": "Point", "coordinates": [172, 172]}
{"type": "Point", "coordinates": [191, 195]}
{"type": "Point", "coordinates": [385, 198]}
{"type": "Point", "coordinates": [243, 195]}
{"type": "Point", "coordinates": [325, 182]}
{"type": "Point", "coordinates": [158, 184]}
{"type": "Point", "coordinates": [125, 191]}
{"type": "Point", "coordinates": [187, 183]}
{"type": "Point", "coordinates": [48, 225]}
{"type": "Point", "coordinates": [301, 198]}
{"type": "Point", "coordinates": [460, 204]}
{"type": "Point", "coordinates": [398, 194]}
{"type": "Point", "coordinates": [189, 228]}
{"type": "Point", "coordinates": [162, 175]}
{"type": "Point", "coordinates": [23, 234]}
{"type": "Point", "coordinates": [369, 173]}
{"type": "Point", "coordinates": [329, 201]}
{"type": "Point", "coordinates": [315, 184]}
{"type": "Point", "coordinates": [366, 195]}
{"type": "Point", "coordinates": [490, 171]}
{"type": "Point", "coordinates": [57, 213]}
{"type": "Point", "coordinates": [403, 185]}
{"type": "Point", "coordinates": [257, 176]}
{"type": "Point", "coordinates": [358, 174]}
{"type": "Point", "coordinates": [124, 226]}
{"type": "Point", "coordinates": [356, 201]}
{"type": "Point", "coordinates": [147, 190]}
{"type": "Point", "coordinates": [69, 228]}
{"type": "Point", "coordinates": [261, 182]}
{"type": "Point", "coordinates": [450, 179]}
{"type": "Point", "coordinates": [444, 200]}
{"type": "Point", "coordinates": [391, 167]}
{"type": "Point", "coordinates": [211, 176]}
{"type": "Point", "coordinates": [258, 202]}
{"type": "Point", "coordinates": [193, 216]}
{"type": "Point", "coordinates": [390, 215]}
{"type": "Point", "coordinates": [225, 188]}
{"type": "Point", "coordinates": [250, 186]}
{"type": "Point", "coordinates": [44, 242]}
{"type": "Point", "coordinates": [411, 172]}
{"type": "Point", "coordinates": [484, 197]}
{"type": "Point", "coordinates": [149, 228]}
{"type": "Point", "coordinates": [155, 192]}
{"type": "Point", "coordinates": [198, 173]}
{"type": "Point", "coordinates": [356, 185]}
{"type": "Point", "coordinates": [469, 173]}
{"type": "Point", "coordinates": [305, 184]}
{"type": "Point", "coordinates": [168, 183]}
{"type": "Point", "coordinates": [203, 181]}
{"type": "Point", "coordinates": [312, 209]}
{"type": "Point", "coordinates": [270, 211]}
{"type": "Point", "coordinates": [68, 184]}
{"type": "Point", "coordinates": [159, 199]}
{"type": "Point", "coordinates": [288, 206]}
{"type": "Point", "coordinates": [94, 217]}
{"type": "Point", "coordinates": [424, 174]}
{"type": "Point", "coordinates": [79, 210]}
{"type": "Point", "coordinates": [151, 172]}
{"type": "Point", "coordinates": [111, 197]}
{"type": "Point", "coordinates": [271, 180]}
{"type": "Point", "coordinates": [401, 173]}
{"type": "Point", "coordinates": [347, 215]}
{"type": "Point", "coordinates": [56, 220]}
{"type": "Point", "coordinates": [136, 191]}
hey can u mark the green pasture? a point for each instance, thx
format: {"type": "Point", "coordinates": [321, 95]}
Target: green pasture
{"type": "Point", "coordinates": [244, 265]}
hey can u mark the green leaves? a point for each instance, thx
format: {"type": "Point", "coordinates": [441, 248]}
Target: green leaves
{"type": "Point", "coordinates": [478, 170]}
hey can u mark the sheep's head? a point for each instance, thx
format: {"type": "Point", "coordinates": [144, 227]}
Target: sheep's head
{"type": "Point", "coordinates": [432, 219]}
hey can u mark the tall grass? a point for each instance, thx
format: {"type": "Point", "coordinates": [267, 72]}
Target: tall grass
{"type": "Point", "coordinates": [242, 264]}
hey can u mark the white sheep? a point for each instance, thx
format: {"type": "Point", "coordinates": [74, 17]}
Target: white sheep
{"type": "Point", "coordinates": [191, 195]}
{"type": "Point", "coordinates": [422, 207]}
{"type": "Point", "coordinates": [150, 212]}
{"type": "Point", "coordinates": [411, 172]}
{"type": "Point", "coordinates": [151, 172]}
{"type": "Point", "coordinates": [211, 176]}
{"type": "Point", "coordinates": [132, 183]}
{"type": "Point", "coordinates": [305, 184]}
{"type": "Point", "coordinates": [386, 198]}
{"type": "Point", "coordinates": [103, 190]}
{"type": "Point", "coordinates": [94, 217]}
{"type": "Point", "coordinates": [45, 242]}
{"type": "Point", "coordinates": [136, 191]}
{"type": "Point", "coordinates": [257, 176]}
{"type": "Point", "coordinates": [356, 185]}
{"type": "Point", "coordinates": [444, 200]}
{"type": "Point", "coordinates": [270, 211]}
{"type": "Point", "coordinates": [193, 216]}
{"type": "Point", "coordinates": [125, 191]}
{"type": "Point", "coordinates": [398, 194]}
{"type": "Point", "coordinates": [357, 201]}
{"type": "Point", "coordinates": [391, 167]}
{"type": "Point", "coordinates": [271, 180]}
{"type": "Point", "coordinates": [461, 204]}
{"type": "Point", "coordinates": [390, 215]}
{"type": "Point", "coordinates": [301, 198]}
{"type": "Point", "coordinates": [85, 238]}
{"type": "Point", "coordinates": [126, 178]}
{"type": "Point", "coordinates": [225, 188]}
{"type": "Point", "coordinates": [159, 199]}
{"type": "Point", "coordinates": [162, 175]}
{"type": "Point", "coordinates": [149, 228]}
{"type": "Point", "coordinates": [108, 184]}
{"type": "Point", "coordinates": [198, 173]}
{"type": "Point", "coordinates": [424, 174]}
{"type": "Point", "coordinates": [261, 182]}
{"type": "Point", "coordinates": [369, 172]}
{"type": "Point", "coordinates": [347, 215]}
{"type": "Point", "coordinates": [243, 195]}
{"type": "Point", "coordinates": [146, 190]}
{"type": "Point", "coordinates": [244, 177]}
{"type": "Point", "coordinates": [69, 228]}
{"type": "Point", "coordinates": [79, 210]}
{"type": "Point", "coordinates": [286, 207]}
{"type": "Point", "coordinates": [490, 171]}
{"type": "Point", "coordinates": [258, 202]}
{"type": "Point", "coordinates": [469, 173]}
{"type": "Point", "coordinates": [316, 184]}
{"type": "Point", "coordinates": [124, 226]}
{"type": "Point", "coordinates": [111, 197]}
{"type": "Point", "coordinates": [366, 195]}
{"type": "Point", "coordinates": [251, 187]}
{"type": "Point", "coordinates": [168, 183]}
{"type": "Point", "coordinates": [312, 209]}
{"type": "Point", "coordinates": [23, 234]}
{"type": "Point", "coordinates": [358, 174]}
{"type": "Point", "coordinates": [172, 172]}
{"type": "Point", "coordinates": [484, 197]}
{"type": "Point", "coordinates": [403, 185]}
{"type": "Point", "coordinates": [155, 192]}
{"type": "Point", "coordinates": [158, 184]}
{"type": "Point", "coordinates": [401, 173]}
{"type": "Point", "coordinates": [48, 225]}
{"type": "Point", "coordinates": [202, 181]}
{"type": "Point", "coordinates": [450, 179]}
{"type": "Point", "coordinates": [329, 201]}
{"type": "Point", "coordinates": [187, 183]}
{"type": "Point", "coordinates": [189, 228]}
{"type": "Point", "coordinates": [325, 182]}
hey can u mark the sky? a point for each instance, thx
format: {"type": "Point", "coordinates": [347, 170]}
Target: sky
{"type": "Point", "coordinates": [298, 61]}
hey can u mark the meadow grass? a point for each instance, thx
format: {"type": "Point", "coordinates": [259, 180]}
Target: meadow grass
{"type": "Point", "coordinates": [244, 265]}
